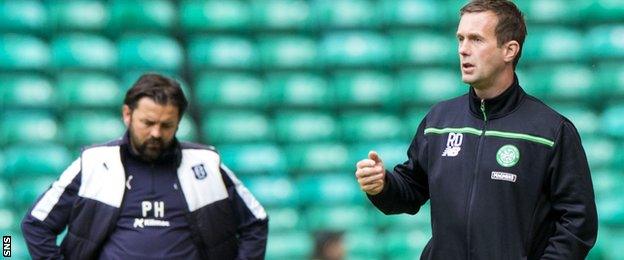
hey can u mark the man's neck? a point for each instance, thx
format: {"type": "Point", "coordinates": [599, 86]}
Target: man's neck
{"type": "Point", "coordinates": [492, 89]}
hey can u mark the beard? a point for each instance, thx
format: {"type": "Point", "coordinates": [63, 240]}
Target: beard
{"type": "Point", "coordinates": [149, 149]}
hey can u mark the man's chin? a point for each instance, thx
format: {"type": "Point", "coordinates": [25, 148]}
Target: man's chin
{"type": "Point", "coordinates": [468, 79]}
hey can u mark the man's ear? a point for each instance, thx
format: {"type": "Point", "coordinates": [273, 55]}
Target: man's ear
{"type": "Point", "coordinates": [126, 113]}
{"type": "Point", "coordinates": [510, 50]}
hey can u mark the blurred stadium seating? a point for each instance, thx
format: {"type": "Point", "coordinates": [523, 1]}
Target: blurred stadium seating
{"type": "Point", "coordinates": [293, 93]}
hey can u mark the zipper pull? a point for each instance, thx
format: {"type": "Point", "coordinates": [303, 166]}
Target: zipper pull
{"type": "Point", "coordinates": [483, 109]}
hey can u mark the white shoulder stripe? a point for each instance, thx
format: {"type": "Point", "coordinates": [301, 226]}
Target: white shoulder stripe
{"type": "Point", "coordinates": [103, 176]}
{"type": "Point", "coordinates": [200, 178]}
{"type": "Point", "coordinates": [252, 203]}
{"type": "Point", "coordinates": [52, 195]}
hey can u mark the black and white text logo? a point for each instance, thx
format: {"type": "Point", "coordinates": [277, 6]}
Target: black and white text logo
{"type": "Point", "coordinates": [6, 246]}
{"type": "Point", "coordinates": [157, 208]}
{"type": "Point", "coordinates": [453, 145]}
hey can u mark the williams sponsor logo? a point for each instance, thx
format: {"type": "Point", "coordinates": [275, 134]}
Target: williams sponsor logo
{"type": "Point", "coordinates": [504, 176]}
{"type": "Point", "coordinates": [149, 222]}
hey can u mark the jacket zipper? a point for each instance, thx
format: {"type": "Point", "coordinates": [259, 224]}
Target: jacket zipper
{"type": "Point", "coordinates": [471, 192]}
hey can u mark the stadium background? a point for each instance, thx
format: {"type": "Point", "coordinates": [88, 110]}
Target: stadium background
{"type": "Point", "coordinates": [293, 93]}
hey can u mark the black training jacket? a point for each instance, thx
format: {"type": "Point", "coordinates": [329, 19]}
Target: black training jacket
{"type": "Point", "coordinates": [507, 179]}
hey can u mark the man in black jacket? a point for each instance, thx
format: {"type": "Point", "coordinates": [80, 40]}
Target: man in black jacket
{"type": "Point", "coordinates": [146, 195]}
{"type": "Point", "coordinates": [506, 175]}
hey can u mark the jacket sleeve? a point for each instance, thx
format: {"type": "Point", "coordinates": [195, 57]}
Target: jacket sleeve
{"type": "Point", "coordinates": [253, 221]}
{"type": "Point", "coordinates": [572, 199]}
{"type": "Point", "coordinates": [406, 188]}
{"type": "Point", "coordinates": [50, 214]}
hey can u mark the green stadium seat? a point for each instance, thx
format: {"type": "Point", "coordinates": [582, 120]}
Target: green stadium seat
{"type": "Point", "coordinates": [129, 78]}
{"type": "Point", "coordinates": [392, 152]}
{"type": "Point", "coordinates": [330, 189]}
{"type": "Point", "coordinates": [89, 90]}
{"type": "Point", "coordinates": [613, 245]}
{"type": "Point", "coordinates": [601, 152]}
{"type": "Point", "coordinates": [78, 15]}
{"type": "Point", "coordinates": [603, 11]}
{"type": "Point", "coordinates": [430, 86]}
{"type": "Point", "coordinates": [271, 15]}
{"type": "Point", "coordinates": [23, 52]}
{"type": "Point", "coordinates": [611, 211]}
{"type": "Point", "coordinates": [420, 221]}
{"type": "Point", "coordinates": [27, 190]}
{"type": "Point", "coordinates": [236, 126]}
{"type": "Point", "coordinates": [22, 16]}
{"type": "Point", "coordinates": [618, 161]}
{"type": "Point", "coordinates": [369, 126]}
{"type": "Point", "coordinates": [452, 8]}
{"type": "Point", "coordinates": [289, 245]}
{"type": "Point", "coordinates": [364, 89]}
{"type": "Point", "coordinates": [347, 14]}
{"type": "Point", "coordinates": [85, 128]}
{"type": "Point", "coordinates": [299, 90]}
{"type": "Point", "coordinates": [26, 91]}
{"type": "Point", "coordinates": [187, 130]}
{"type": "Point", "coordinates": [412, 119]}
{"type": "Point", "coordinates": [610, 80]}
{"type": "Point", "coordinates": [8, 220]}
{"type": "Point", "coordinates": [283, 218]}
{"type": "Point", "coordinates": [229, 90]}
{"type": "Point", "coordinates": [318, 157]}
{"type": "Point", "coordinates": [83, 51]}
{"type": "Point", "coordinates": [288, 52]}
{"type": "Point", "coordinates": [531, 85]}
{"type": "Point", "coordinates": [149, 52]}
{"type": "Point", "coordinates": [607, 184]}
{"type": "Point", "coordinates": [348, 218]}
{"type": "Point", "coordinates": [362, 244]}
{"type": "Point", "coordinates": [544, 45]}
{"type": "Point", "coordinates": [355, 49]}
{"type": "Point", "coordinates": [6, 192]}
{"type": "Point", "coordinates": [301, 127]}
{"type": "Point", "coordinates": [403, 244]}
{"type": "Point", "coordinates": [424, 48]}
{"type": "Point", "coordinates": [273, 191]}
{"type": "Point", "coordinates": [585, 120]}
{"type": "Point", "coordinates": [612, 122]}
{"type": "Point", "coordinates": [254, 159]}
{"type": "Point", "coordinates": [566, 82]}
{"type": "Point", "coordinates": [22, 161]}
{"type": "Point", "coordinates": [214, 15]}
{"type": "Point", "coordinates": [221, 52]}
{"type": "Point", "coordinates": [607, 41]}
{"type": "Point", "coordinates": [142, 15]}
{"type": "Point", "coordinates": [552, 11]}
{"type": "Point", "coordinates": [415, 13]}
{"type": "Point", "coordinates": [24, 126]}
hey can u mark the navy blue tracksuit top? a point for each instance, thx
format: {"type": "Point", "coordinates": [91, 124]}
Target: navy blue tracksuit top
{"type": "Point", "coordinates": [153, 206]}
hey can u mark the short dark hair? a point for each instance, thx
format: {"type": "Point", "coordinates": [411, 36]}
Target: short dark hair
{"type": "Point", "coordinates": [163, 90]}
{"type": "Point", "coordinates": [510, 25]}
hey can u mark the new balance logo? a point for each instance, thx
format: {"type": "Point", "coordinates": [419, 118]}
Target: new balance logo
{"type": "Point", "coordinates": [453, 145]}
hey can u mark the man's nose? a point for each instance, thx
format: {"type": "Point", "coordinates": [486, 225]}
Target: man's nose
{"type": "Point", "coordinates": [156, 132]}
{"type": "Point", "coordinates": [463, 48]}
